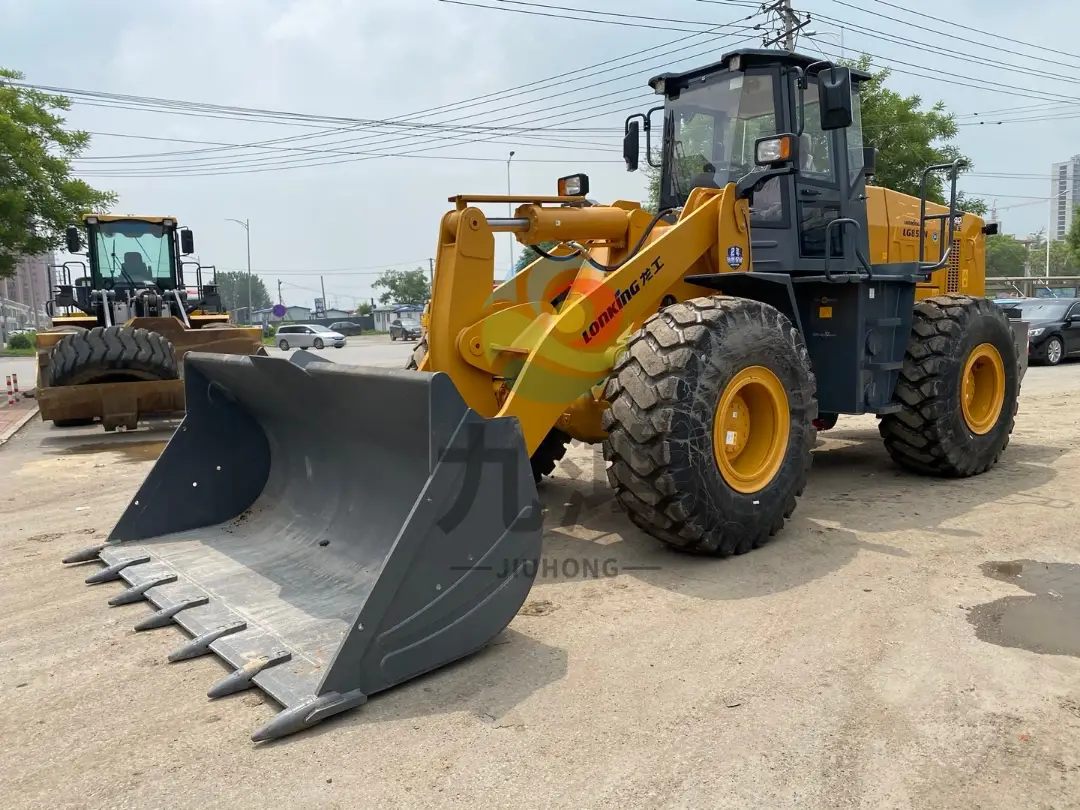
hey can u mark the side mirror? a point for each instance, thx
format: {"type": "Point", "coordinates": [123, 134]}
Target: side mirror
{"type": "Point", "coordinates": [776, 150]}
{"type": "Point", "coordinates": [631, 146]}
{"type": "Point", "coordinates": [869, 161]}
{"type": "Point", "coordinates": [187, 242]}
{"type": "Point", "coordinates": [834, 98]}
{"type": "Point", "coordinates": [74, 240]}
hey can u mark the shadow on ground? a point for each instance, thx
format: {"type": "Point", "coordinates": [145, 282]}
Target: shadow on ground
{"type": "Point", "coordinates": [854, 487]}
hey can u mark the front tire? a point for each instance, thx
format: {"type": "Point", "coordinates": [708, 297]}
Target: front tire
{"type": "Point", "coordinates": [392, 336]}
{"type": "Point", "coordinates": [318, 344]}
{"type": "Point", "coordinates": [711, 424]}
{"type": "Point", "coordinates": [957, 390]}
{"type": "Point", "coordinates": [112, 354]}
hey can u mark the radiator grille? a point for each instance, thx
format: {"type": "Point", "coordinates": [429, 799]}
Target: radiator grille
{"type": "Point", "coordinates": [952, 282]}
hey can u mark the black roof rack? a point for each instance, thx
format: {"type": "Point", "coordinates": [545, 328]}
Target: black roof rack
{"type": "Point", "coordinates": [748, 57]}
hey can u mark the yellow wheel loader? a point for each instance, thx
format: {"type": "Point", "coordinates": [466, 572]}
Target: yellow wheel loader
{"type": "Point", "coordinates": [703, 345]}
{"type": "Point", "coordinates": [120, 332]}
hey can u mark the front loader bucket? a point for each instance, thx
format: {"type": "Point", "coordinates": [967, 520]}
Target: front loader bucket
{"type": "Point", "coordinates": [328, 530]}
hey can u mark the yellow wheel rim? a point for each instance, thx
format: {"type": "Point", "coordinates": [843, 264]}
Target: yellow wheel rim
{"type": "Point", "coordinates": [750, 429]}
{"type": "Point", "coordinates": [982, 388]}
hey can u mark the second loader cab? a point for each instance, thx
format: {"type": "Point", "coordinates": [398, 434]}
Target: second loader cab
{"type": "Point", "coordinates": [135, 270]}
{"type": "Point", "coordinates": [718, 121]}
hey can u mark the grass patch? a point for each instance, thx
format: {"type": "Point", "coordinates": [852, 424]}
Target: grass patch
{"type": "Point", "coordinates": [17, 352]}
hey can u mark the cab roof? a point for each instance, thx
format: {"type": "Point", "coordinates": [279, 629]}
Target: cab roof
{"type": "Point", "coordinates": [748, 57]}
{"type": "Point", "coordinates": [127, 218]}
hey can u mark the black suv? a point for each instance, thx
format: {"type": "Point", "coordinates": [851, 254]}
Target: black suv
{"type": "Point", "coordinates": [404, 329]}
{"type": "Point", "coordinates": [1053, 327]}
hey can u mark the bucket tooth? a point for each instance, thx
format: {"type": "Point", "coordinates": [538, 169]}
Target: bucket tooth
{"type": "Point", "coordinates": [241, 679]}
{"type": "Point", "coordinates": [200, 645]}
{"type": "Point", "coordinates": [83, 555]}
{"type": "Point", "coordinates": [138, 592]}
{"type": "Point", "coordinates": [166, 616]}
{"type": "Point", "coordinates": [308, 714]}
{"type": "Point", "coordinates": [367, 574]}
{"type": "Point", "coordinates": [112, 572]}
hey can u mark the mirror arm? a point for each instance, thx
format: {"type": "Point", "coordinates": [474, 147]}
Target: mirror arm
{"type": "Point", "coordinates": [747, 185]}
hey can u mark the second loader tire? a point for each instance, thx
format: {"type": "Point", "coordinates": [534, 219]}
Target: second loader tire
{"type": "Point", "coordinates": [702, 383]}
{"type": "Point", "coordinates": [957, 390]}
{"type": "Point", "coordinates": [111, 354]}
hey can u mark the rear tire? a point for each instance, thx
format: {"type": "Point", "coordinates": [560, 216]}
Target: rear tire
{"type": "Point", "coordinates": [318, 344]}
{"type": "Point", "coordinates": [283, 345]}
{"type": "Point", "coordinates": [393, 336]}
{"type": "Point", "coordinates": [665, 393]}
{"type": "Point", "coordinates": [114, 353]}
{"type": "Point", "coordinates": [1052, 354]}
{"type": "Point", "coordinates": [931, 434]}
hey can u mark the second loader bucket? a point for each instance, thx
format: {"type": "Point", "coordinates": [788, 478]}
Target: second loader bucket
{"type": "Point", "coordinates": [327, 530]}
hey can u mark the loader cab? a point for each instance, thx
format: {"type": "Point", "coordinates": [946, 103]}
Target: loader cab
{"type": "Point", "coordinates": [715, 117]}
{"type": "Point", "coordinates": [132, 253]}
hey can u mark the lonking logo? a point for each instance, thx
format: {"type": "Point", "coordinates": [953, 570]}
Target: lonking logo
{"type": "Point", "coordinates": [622, 298]}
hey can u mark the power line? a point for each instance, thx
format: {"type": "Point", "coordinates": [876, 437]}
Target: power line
{"type": "Point", "coordinates": [581, 19]}
{"type": "Point", "coordinates": [951, 24]}
{"type": "Point", "coordinates": [948, 52]}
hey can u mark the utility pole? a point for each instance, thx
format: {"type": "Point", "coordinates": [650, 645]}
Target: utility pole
{"type": "Point", "coordinates": [509, 213]}
{"type": "Point", "coordinates": [280, 300]}
{"type": "Point", "coordinates": [246, 224]}
{"type": "Point", "coordinates": [322, 284]}
{"type": "Point", "coordinates": [431, 272]}
{"type": "Point", "coordinates": [789, 25]}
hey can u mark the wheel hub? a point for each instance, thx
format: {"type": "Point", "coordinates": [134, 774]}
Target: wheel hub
{"type": "Point", "coordinates": [982, 388]}
{"type": "Point", "coordinates": [751, 429]}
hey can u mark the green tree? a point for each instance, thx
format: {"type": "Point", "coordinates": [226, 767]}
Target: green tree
{"type": "Point", "coordinates": [1005, 256]}
{"type": "Point", "coordinates": [908, 138]}
{"type": "Point", "coordinates": [403, 286]}
{"type": "Point", "coordinates": [363, 308]}
{"type": "Point", "coordinates": [38, 196]}
{"type": "Point", "coordinates": [233, 286]}
{"type": "Point", "coordinates": [1072, 238]}
{"type": "Point", "coordinates": [1061, 262]}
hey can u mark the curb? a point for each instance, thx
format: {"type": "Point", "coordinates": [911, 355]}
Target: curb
{"type": "Point", "coordinates": [10, 432]}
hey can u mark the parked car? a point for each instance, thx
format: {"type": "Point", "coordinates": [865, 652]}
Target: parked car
{"type": "Point", "coordinates": [405, 328]}
{"type": "Point", "coordinates": [308, 336]}
{"type": "Point", "coordinates": [347, 328]}
{"type": "Point", "coordinates": [1053, 327]}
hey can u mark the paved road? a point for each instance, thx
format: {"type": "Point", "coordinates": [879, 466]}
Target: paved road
{"type": "Point", "coordinates": [376, 350]}
{"type": "Point", "coordinates": [882, 651]}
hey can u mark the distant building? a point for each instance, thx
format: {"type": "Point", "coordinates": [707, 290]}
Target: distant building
{"type": "Point", "coordinates": [294, 314]}
{"type": "Point", "coordinates": [1064, 195]}
{"type": "Point", "coordinates": [337, 315]}
{"type": "Point", "coordinates": [383, 315]}
{"type": "Point", "coordinates": [26, 293]}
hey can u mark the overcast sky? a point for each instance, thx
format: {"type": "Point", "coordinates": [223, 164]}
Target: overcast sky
{"type": "Point", "coordinates": [381, 59]}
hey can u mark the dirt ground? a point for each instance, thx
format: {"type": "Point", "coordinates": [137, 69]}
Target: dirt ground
{"type": "Point", "coordinates": [887, 650]}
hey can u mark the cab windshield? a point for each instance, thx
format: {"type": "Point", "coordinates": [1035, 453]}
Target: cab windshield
{"type": "Point", "coordinates": [134, 253]}
{"type": "Point", "coordinates": [710, 131]}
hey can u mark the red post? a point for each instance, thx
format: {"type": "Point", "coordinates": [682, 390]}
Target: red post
{"type": "Point", "coordinates": [10, 391]}
{"type": "Point", "coordinates": [15, 380]}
